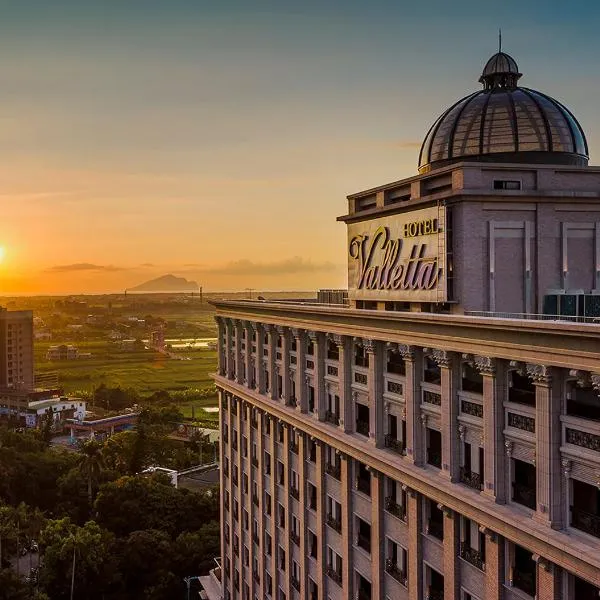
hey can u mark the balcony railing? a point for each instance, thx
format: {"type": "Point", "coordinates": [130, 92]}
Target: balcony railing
{"type": "Point", "coordinates": [521, 422]}
{"type": "Point", "coordinates": [294, 447]}
{"type": "Point", "coordinates": [362, 427]}
{"type": "Point", "coordinates": [364, 542]}
{"type": "Point", "coordinates": [471, 408]}
{"type": "Point", "coordinates": [470, 478]}
{"type": "Point", "coordinates": [523, 494]}
{"type": "Point", "coordinates": [432, 398]}
{"type": "Point", "coordinates": [255, 499]}
{"type": "Point", "coordinates": [256, 576]}
{"type": "Point", "coordinates": [363, 595]}
{"type": "Point", "coordinates": [331, 417]}
{"type": "Point", "coordinates": [331, 370]}
{"type": "Point", "coordinates": [394, 508]}
{"type": "Point", "coordinates": [334, 523]}
{"type": "Point", "coordinates": [436, 529]}
{"type": "Point", "coordinates": [295, 493]}
{"type": "Point", "coordinates": [360, 378]}
{"type": "Point", "coordinates": [394, 444]}
{"type": "Point", "coordinates": [585, 521]}
{"type": "Point", "coordinates": [334, 470]}
{"type": "Point", "coordinates": [295, 583]}
{"type": "Point", "coordinates": [524, 581]}
{"type": "Point", "coordinates": [255, 461]}
{"type": "Point", "coordinates": [472, 556]}
{"type": "Point", "coordinates": [225, 437]}
{"type": "Point", "coordinates": [295, 538]}
{"type": "Point", "coordinates": [335, 575]}
{"type": "Point", "coordinates": [392, 568]}
{"type": "Point", "coordinates": [293, 402]}
{"type": "Point", "coordinates": [255, 539]}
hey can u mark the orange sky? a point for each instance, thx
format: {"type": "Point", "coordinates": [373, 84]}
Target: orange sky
{"type": "Point", "coordinates": [218, 143]}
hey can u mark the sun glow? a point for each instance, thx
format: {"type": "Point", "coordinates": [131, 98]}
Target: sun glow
{"type": "Point", "coordinates": [2, 253]}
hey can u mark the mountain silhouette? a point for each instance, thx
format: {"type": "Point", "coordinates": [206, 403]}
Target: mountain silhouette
{"type": "Point", "coordinates": [166, 283]}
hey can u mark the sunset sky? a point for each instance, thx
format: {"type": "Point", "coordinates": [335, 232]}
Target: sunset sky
{"type": "Point", "coordinates": [217, 140]}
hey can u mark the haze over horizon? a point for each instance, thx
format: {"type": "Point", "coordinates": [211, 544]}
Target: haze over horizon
{"type": "Point", "coordinates": [218, 141]}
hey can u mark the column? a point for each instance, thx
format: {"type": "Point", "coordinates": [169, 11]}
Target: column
{"type": "Point", "coordinates": [377, 535]}
{"type": "Point", "coordinates": [321, 527]}
{"type": "Point", "coordinates": [271, 364]}
{"type": "Point", "coordinates": [284, 334]}
{"type": "Point", "coordinates": [494, 452]}
{"type": "Point", "coordinates": [273, 492]}
{"type": "Point", "coordinates": [548, 437]}
{"type": "Point", "coordinates": [258, 511]}
{"type": "Point", "coordinates": [319, 342]}
{"type": "Point", "coordinates": [249, 375]}
{"type": "Point", "coordinates": [286, 502]}
{"type": "Point", "coordinates": [221, 362]}
{"type": "Point", "coordinates": [414, 519]}
{"type": "Point", "coordinates": [344, 344]}
{"type": "Point", "coordinates": [302, 457]}
{"type": "Point", "coordinates": [239, 357]}
{"type": "Point", "coordinates": [494, 565]}
{"type": "Point", "coordinates": [224, 451]}
{"type": "Point", "coordinates": [415, 446]}
{"type": "Point", "coordinates": [549, 579]}
{"type": "Point", "coordinates": [449, 412]}
{"type": "Point", "coordinates": [347, 533]}
{"type": "Point", "coordinates": [301, 393]}
{"type": "Point", "coordinates": [451, 547]}
{"type": "Point", "coordinates": [260, 363]}
{"type": "Point", "coordinates": [375, 351]}
{"type": "Point", "coordinates": [229, 348]}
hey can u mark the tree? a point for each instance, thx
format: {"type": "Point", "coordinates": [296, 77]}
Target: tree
{"type": "Point", "coordinates": [91, 465]}
{"type": "Point", "coordinates": [194, 552]}
{"type": "Point", "coordinates": [96, 567]}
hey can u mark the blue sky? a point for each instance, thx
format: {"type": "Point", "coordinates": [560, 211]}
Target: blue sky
{"type": "Point", "coordinates": [191, 135]}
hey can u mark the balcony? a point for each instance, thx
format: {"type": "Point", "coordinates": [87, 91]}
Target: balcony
{"type": "Point", "coordinates": [524, 581]}
{"type": "Point", "coordinates": [293, 402]}
{"type": "Point", "coordinates": [523, 494]}
{"type": "Point", "coordinates": [334, 574]}
{"type": "Point", "coordinates": [394, 508]}
{"type": "Point", "coordinates": [225, 437]}
{"type": "Point", "coordinates": [295, 493]}
{"type": "Point", "coordinates": [255, 499]}
{"type": "Point", "coordinates": [364, 542]}
{"type": "Point", "coordinates": [392, 569]}
{"type": "Point", "coordinates": [334, 470]}
{"type": "Point", "coordinates": [293, 447]}
{"type": "Point", "coordinates": [436, 529]}
{"type": "Point", "coordinates": [295, 537]}
{"type": "Point", "coordinates": [360, 378]}
{"type": "Point", "coordinates": [234, 443]}
{"type": "Point", "coordinates": [362, 427]}
{"type": "Point", "coordinates": [394, 444]}
{"type": "Point", "coordinates": [471, 479]}
{"type": "Point", "coordinates": [255, 539]}
{"type": "Point", "coordinates": [432, 398]}
{"type": "Point", "coordinates": [256, 576]}
{"type": "Point", "coordinates": [255, 461]}
{"type": "Point", "coordinates": [472, 556]}
{"type": "Point", "coordinates": [585, 521]}
{"type": "Point", "coordinates": [335, 523]}
{"type": "Point", "coordinates": [295, 583]}
{"type": "Point", "coordinates": [331, 417]}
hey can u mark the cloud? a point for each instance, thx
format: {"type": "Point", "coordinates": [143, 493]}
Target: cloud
{"type": "Point", "coordinates": [287, 266]}
{"type": "Point", "coordinates": [78, 267]}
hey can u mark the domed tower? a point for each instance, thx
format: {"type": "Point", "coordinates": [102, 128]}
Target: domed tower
{"type": "Point", "coordinates": [504, 123]}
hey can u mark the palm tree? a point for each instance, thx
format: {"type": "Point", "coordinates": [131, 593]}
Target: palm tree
{"type": "Point", "coordinates": [91, 464]}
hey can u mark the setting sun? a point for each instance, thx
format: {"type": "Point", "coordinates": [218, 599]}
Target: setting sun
{"type": "Point", "coordinates": [2, 253]}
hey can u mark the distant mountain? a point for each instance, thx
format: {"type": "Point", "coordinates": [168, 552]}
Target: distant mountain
{"type": "Point", "coordinates": [166, 283]}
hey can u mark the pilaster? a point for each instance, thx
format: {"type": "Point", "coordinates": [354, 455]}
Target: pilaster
{"type": "Point", "coordinates": [284, 334]}
{"type": "Point", "coordinates": [319, 344]}
{"type": "Point", "coordinates": [344, 344]}
{"type": "Point", "coordinates": [494, 452]}
{"type": "Point", "coordinates": [229, 358]}
{"type": "Point", "coordinates": [548, 438]}
{"type": "Point", "coordinates": [221, 362]}
{"type": "Point", "coordinates": [415, 446]}
{"type": "Point", "coordinates": [260, 359]}
{"type": "Point", "coordinates": [494, 565]}
{"type": "Point", "coordinates": [449, 367]}
{"type": "Point", "coordinates": [301, 392]}
{"type": "Point", "coordinates": [347, 547]}
{"type": "Point", "coordinates": [549, 580]}
{"type": "Point", "coordinates": [272, 364]}
{"type": "Point", "coordinates": [321, 498]}
{"type": "Point", "coordinates": [375, 351]}
{"type": "Point", "coordinates": [451, 548]}
{"type": "Point", "coordinates": [239, 357]}
{"type": "Point", "coordinates": [378, 535]}
{"type": "Point", "coordinates": [414, 519]}
{"type": "Point", "coordinates": [250, 378]}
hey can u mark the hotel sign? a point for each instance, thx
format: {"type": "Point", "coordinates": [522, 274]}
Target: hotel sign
{"type": "Point", "coordinates": [399, 258]}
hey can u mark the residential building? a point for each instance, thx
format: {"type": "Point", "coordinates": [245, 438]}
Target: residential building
{"type": "Point", "coordinates": [439, 435]}
{"type": "Point", "coordinates": [16, 349]}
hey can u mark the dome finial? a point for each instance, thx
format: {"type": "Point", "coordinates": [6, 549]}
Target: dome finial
{"type": "Point", "coordinates": [499, 40]}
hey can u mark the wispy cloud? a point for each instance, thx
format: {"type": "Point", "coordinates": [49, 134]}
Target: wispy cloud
{"type": "Point", "coordinates": [78, 267]}
{"type": "Point", "coordinates": [287, 266]}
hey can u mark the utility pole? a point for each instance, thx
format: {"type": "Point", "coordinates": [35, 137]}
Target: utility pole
{"type": "Point", "coordinates": [249, 290]}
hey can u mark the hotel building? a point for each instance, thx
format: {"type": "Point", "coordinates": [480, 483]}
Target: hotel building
{"type": "Point", "coordinates": [438, 436]}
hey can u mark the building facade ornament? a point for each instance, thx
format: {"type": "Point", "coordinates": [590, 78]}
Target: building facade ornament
{"type": "Point", "coordinates": [595, 379]}
{"type": "Point", "coordinates": [424, 419]}
{"type": "Point", "coordinates": [567, 465]}
{"type": "Point", "coordinates": [462, 430]}
{"type": "Point", "coordinates": [338, 339]}
{"type": "Point", "coordinates": [486, 365]}
{"type": "Point", "coordinates": [539, 374]}
{"type": "Point", "coordinates": [443, 358]}
{"type": "Point", "coordinates": [509, 448]}
{"type": "Point", "coordinates": [369, 345]}
{"type": "Point", "coordinates": [407, 352]}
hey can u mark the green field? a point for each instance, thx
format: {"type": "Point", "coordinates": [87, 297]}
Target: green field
{"type": "Point", "coordinates": [146, 371]}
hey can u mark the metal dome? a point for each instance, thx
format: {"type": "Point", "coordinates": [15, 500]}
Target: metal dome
{"type": "Point", "coordinates": [504, 123]}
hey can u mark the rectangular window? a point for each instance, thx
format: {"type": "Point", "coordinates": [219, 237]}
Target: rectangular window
{"type": "Point", "coordinates": [506, 184]}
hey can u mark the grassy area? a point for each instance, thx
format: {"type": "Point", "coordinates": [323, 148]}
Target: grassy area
{"type": "Point", "coordinates": [146, 371]}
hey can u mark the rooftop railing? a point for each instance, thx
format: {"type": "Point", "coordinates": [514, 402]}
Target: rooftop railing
{"type": "Point", "coordinates": [531, 316]}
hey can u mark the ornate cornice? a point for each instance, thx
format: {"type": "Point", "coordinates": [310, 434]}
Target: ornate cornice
{"type": "Point", "coordinates": [338, 340]}
{"type": "Point", "coordinates": [297, 333]}
{"type": "Point", "coordinates": [486, 365]}
{"type": "Point", "coordinates": [369, 345]}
